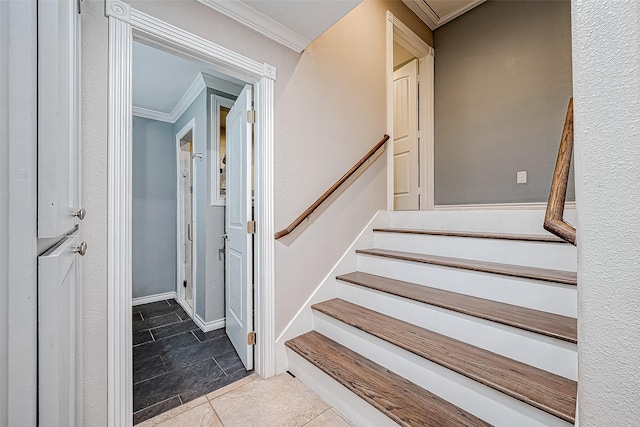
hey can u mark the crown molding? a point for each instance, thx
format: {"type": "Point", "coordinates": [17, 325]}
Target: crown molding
{"type": "Point", "coordinates": [201, 82]}
{"type": "Point", "coordinates": [257, 21]}
{"type": "Point", "coordinates": [429, 17]}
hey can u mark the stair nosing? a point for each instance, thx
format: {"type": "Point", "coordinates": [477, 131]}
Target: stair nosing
{"type": "Point", "coordinates": [473, 234]}
{"type": "Point", "coordinates": [499, 307]}
{"type": "Point", "coordinates": [511, 270]}
{"type": "Point", "coordinates": [366, 365]}
{"type": "Point", "coordinates": [320, 307]}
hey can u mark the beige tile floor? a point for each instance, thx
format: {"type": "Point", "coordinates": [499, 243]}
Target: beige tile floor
{"type": "Point", "coordinates": [280, 401]}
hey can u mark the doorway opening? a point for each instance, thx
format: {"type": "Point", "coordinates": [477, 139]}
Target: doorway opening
{"type": "Point", "coordinates": [192, 129]}
{"type": "Point", "coordinates": [185, 216]}
{"type": "Point", "coordinates": [125, 23]}
{"type": "Point", "coordinates": [410, 73]}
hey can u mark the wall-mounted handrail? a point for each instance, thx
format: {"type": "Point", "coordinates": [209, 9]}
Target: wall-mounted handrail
{"type": "Point", "coordinates": [554, 218]}
{"type": "Point", "coordinates": [331, 190]}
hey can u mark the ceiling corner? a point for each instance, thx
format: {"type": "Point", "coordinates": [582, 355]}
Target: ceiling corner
{"type": "Point", "coordinates": [432, 12]}
{"type": "Point", "coordinates": [259, 22]}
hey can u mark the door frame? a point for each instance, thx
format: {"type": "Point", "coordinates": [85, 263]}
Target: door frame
{"type": "Point", "coordinates": [191, 126]}
{"type": "Point", "coordinates": [400, 33]}
{"type": "Point", "coordinates": [125, 24]}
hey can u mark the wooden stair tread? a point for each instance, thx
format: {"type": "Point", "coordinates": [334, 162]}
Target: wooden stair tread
{"type": "Point", "coordinates": [474, 234]}
{"type": "Point", "coordinates": [401, 400]}
{"type": "Point", "coordinates": [545, 274]}
{"type": "Point", "coordinates": [541, 389]}
{"type": "Point", "coordinates": [549, 324]}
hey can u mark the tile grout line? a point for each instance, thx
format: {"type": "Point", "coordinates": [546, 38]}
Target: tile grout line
{"type": "Point", "coordinates": [223, 371]}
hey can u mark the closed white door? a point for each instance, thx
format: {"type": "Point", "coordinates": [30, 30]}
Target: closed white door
{"type": "Point", "coordinates": [59, 79]}
{"type": "Point", "coordinates": [60, 334]}
{"type": "Point", "coordinates": [406, 191]}
{"type": "Point", "coordinates": [239, 248]}
{"type": "Point", "coordinates": [59, 212]}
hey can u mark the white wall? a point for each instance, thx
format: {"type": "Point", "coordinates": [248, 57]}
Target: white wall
{"type": "Point", "coordinates": [606, 60]}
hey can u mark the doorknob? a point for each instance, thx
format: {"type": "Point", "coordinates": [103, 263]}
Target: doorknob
{"type": "Point", "coordinates": [225, 236]}
{"type": "Point", "coordinates": [81, 213]}
{"type": "Point", "coordinates": [82, 249]}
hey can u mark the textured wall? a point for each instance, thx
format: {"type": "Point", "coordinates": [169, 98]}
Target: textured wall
{"type": "Point", "coordinates": [502, 85]}
{"type": "Point", "coordinates": [606, 57]}
{"type": "Point", "coordinates": [154, 208]}
{"type": "Point", "coordinates": [94, 134]}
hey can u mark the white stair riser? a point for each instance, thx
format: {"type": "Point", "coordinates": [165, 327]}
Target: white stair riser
{"type": "Point", "coordinates": [550, 354]}
{"type": "Point", "coordinates": [343, 400]}
{"type": "Point", "coordinates": [538, 295]}
{"type": "Point", "coordinates": [484, 402]}
{"type": "Point", "coordinates": [507, 220]}
{"type": "Point", "coordinates": [534, 254]}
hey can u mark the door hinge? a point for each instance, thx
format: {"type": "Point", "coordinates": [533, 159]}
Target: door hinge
{"type": "Point", "coordinates": [251, 227]}
{"type": "Point", "coordinates": [251, 116]}
{"type": "Point", "coordinates": [251, 338]}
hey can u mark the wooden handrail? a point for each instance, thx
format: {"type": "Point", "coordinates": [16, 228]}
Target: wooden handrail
{"type": "Point", "coordinates": [554, 218]}
{"type": "Point", "coordinates": [331, 190]}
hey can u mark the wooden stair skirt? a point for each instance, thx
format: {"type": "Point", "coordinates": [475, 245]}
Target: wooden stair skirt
{"type": "Point", "coordinates": [418, 377]}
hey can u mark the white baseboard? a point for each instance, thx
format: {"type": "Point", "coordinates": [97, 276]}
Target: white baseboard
{"type": "Point", "coordinates": [499, 206]}
{"type": "Point", "coordinates": [153, 298]}
{"type": "Point", "coordinates": [209, 326]}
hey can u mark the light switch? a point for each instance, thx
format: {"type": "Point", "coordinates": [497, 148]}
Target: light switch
{"type": "Point", "coordinates": [521, 177]}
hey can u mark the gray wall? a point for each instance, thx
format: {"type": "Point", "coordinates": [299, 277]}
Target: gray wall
{"type": "Point", "coordinates": [502, 84]}
{"type": "Point", "coordinates": [154, 208]}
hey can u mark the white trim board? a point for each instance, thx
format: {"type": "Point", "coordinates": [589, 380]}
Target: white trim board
{"type": "Point", "coordinates": [153, 298]}
{"type": "Point", "coordinates": [209, 326]}
{"type": "Point", "coordinates": [125, 23]}
{"type": "Point", "coordinates": [201, 82]}
{"type": "Point", "coordinates": [499, 206]}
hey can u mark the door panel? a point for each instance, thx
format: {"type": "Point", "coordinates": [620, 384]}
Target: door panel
{"type": "Point", "coordinates": [60, 335]}
{"type": "Point", "coordinates": [59, 78]}
{"type": "Point", "coordinates": [238, 260]}
{"type": "Point", "coordinates": [405, 137]}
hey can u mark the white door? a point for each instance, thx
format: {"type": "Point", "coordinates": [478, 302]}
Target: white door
{"type": "Point", "coordinates": [59, 212]}
{"type": "Point", "coordinates": [406, 192]}
{"type": "Point", "coordinates": [239, 248]}
{"type": "Point", "coordinates": [60, 334]}
{"type": "Point", "coordinates": [59, 79]}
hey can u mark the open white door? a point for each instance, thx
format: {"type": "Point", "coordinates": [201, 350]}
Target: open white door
{"type": "Point", "coordinates": [406, 194]}
{"type": "Point", "coordinates": [239, 248]}
{"type": "Point", "coordinates": [60, 334]}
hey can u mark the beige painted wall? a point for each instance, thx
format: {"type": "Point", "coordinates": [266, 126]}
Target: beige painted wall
{"type": "Point", "coordinates": [330, 109]}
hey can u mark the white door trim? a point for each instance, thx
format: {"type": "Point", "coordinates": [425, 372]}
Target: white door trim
{"type": "Point", "coordinates": [191, 126]}
{"type": "Point", "coordinates": [125, 23]}
{"type": "Point", "coordinates": [402, 34]}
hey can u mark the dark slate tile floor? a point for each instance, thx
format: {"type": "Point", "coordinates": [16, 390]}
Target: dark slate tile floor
{"type": "Point", "coordinates": [174, 361]}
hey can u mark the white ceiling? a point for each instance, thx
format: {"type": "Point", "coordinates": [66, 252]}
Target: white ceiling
{"type": "Point", "coordinates": [161, 79]}
{"type": "Point", "coordinates": [294, 24]}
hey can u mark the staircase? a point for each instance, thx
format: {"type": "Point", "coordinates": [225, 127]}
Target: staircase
{"type": "Point", "coordinates": [448, 328]}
